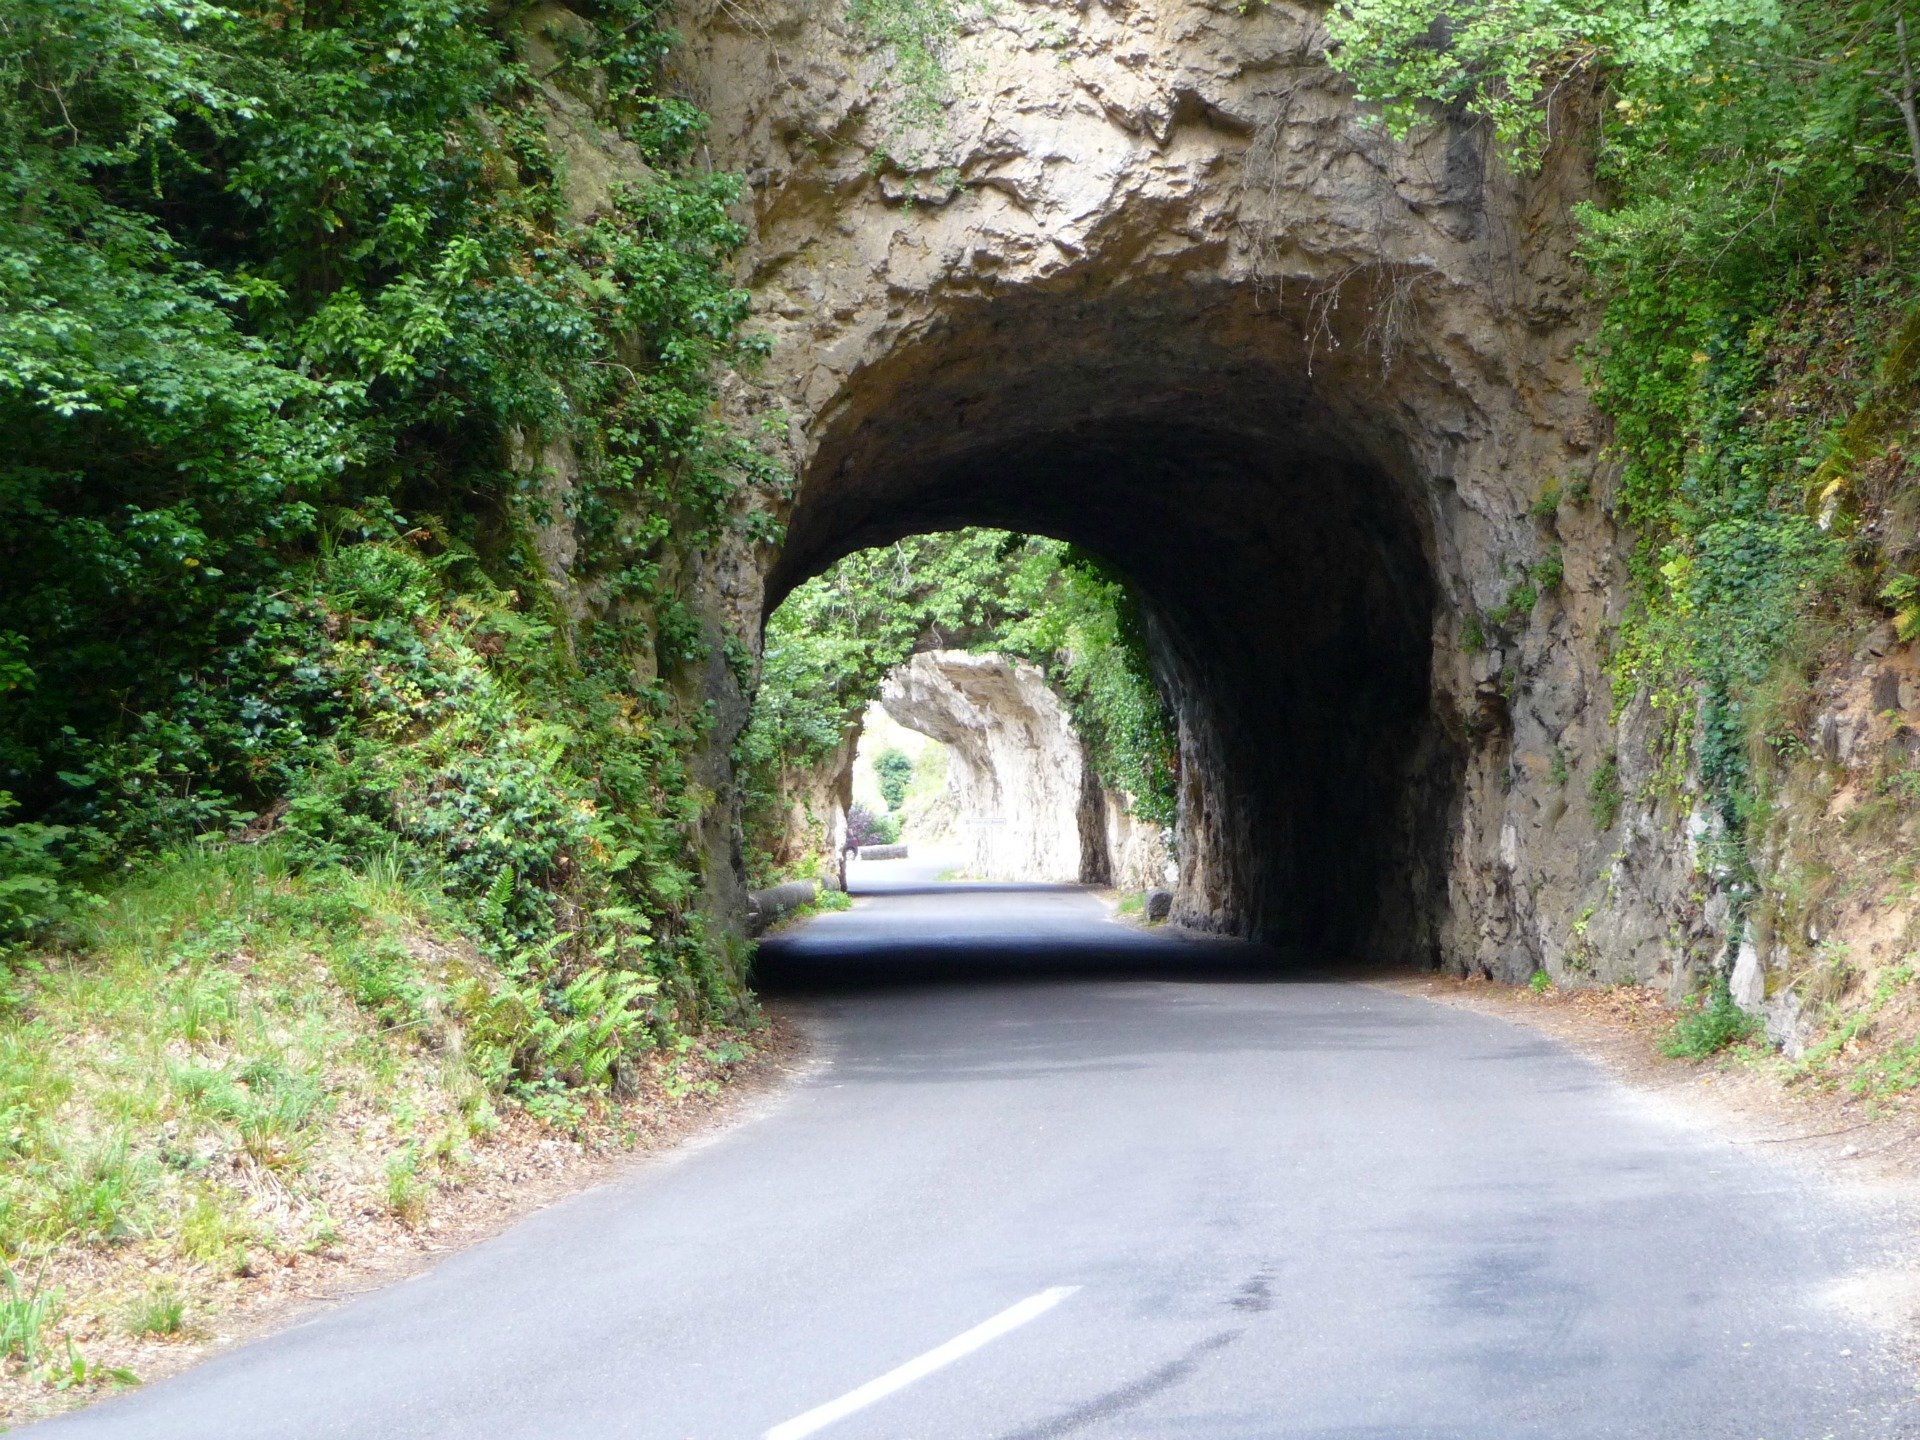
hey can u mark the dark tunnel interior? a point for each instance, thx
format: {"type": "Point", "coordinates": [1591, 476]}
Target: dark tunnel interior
{"type": "Point", "coordinates": [1284, 569]}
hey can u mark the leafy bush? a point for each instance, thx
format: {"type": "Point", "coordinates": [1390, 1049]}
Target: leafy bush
{"type": "Point", "coordinates": [1707, 1025]}
{"type": "Point", "coordinates": [34, 888]}
{"type": "Point", "coordinates": [894, 771]}
{"type": "Point", "coordinates": [866, 828]}
{"type": "Point", "coordinates": [283, 307]}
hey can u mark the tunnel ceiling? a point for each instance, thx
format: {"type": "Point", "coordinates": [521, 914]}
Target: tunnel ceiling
{"type": "Point", "coordinates": [940, 427]}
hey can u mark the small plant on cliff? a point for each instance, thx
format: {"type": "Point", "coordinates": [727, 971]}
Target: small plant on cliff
{"type": "Point", "coordinates": [1559, 767]}
{"type": "Point", "coordinates": [1604, 795]}
{"type": "Point", "coordinates": [1901, 595]}
{"type": "Point", "coordinates": [918, 35]}
{"type": "Point", "coordinates": [1707, 1025]}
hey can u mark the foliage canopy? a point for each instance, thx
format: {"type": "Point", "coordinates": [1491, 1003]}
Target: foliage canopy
{"type": "Point", "coordinates": [291, 295]}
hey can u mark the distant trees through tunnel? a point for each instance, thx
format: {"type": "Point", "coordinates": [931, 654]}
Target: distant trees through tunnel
{"type": "Point", "coordinates": [1022, 663]}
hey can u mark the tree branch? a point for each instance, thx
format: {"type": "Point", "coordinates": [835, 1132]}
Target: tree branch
{"type": "Point", "coordinates": [1907, 112]}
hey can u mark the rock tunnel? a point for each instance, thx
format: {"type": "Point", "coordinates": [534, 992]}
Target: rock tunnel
{"type": "Point", "coordinates": [1152, 283]}
{"type": "Point", "coordinates": [1274, 536]}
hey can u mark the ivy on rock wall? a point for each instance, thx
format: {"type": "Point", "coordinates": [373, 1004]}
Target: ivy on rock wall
{"type": "Point", "coordinates": [1754, 254]}
{"type": "Point", "coordinates": [290, 293]}
{"type": "Point", "coordinates": [833, 641]}
{"type": "Point", "coordinates": [1083, 626]}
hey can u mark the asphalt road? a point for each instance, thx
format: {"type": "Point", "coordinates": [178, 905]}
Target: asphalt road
{"type": "Point", "coordinates": [1062, 1178]}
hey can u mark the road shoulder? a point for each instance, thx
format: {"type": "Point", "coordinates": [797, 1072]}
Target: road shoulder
{"type": "Point", "coordinates": [1868, 1152]}
{"type": "Point", "coordinates": [521, 1169]}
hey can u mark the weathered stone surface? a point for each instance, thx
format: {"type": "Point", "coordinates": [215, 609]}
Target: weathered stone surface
{"type": "Point", "coordinates": [1749, 981]}
{"type": "Point", "coordinates": [1022, 802]}
{"type": "Point", "coordinates": [1151, 284]}
{"type": "Point", "coordinates": [1136, 850]}
{"type": "Point", "coordinates": [1159, 904]}
{"type": "Point", "coordinates": [1015, 769]}
{"type": "Point", "coordinates": [770, 906]}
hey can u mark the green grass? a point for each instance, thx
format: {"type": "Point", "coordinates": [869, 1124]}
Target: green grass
{"type": "Point", "coordinates": [226, 1050]}
{"type": "Point", "coordinates": [161, 1312]}
{"type": "Point", "coordinates": [25, 1314]}
{"type": "Point", "coordinates": [176, 1076]}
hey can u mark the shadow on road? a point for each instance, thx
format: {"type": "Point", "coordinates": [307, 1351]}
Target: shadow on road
{"type": "Point", "coordinates": [961, 934]}
{"type": "Point", "coordinates": [782, 969]}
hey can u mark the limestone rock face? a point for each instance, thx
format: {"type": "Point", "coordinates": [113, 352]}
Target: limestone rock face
{"type": "Point", "coordinates": [1015, 770]}
{"type": "Point", "coordinates": [1136, 850]}
{"type": "Point", "coordinates": [1144, 278]}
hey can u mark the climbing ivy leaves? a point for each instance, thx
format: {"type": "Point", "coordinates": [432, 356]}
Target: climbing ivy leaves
{"type": "Point", "coordinates": [1759, 161]}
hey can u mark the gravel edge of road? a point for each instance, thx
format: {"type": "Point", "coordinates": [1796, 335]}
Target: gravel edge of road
{"type": "Point", "coordinates": [1871, 1159]}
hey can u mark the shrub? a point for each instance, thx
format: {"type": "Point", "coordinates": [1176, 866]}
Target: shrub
{"type": "Point", "coordinates": [1707, 1025]}
{"type": "Point", "coordinates": [894, 770]}
{"type": "Point", "coordinates": [866, 828]}
{"type": "Point", "coordinates": [33, 891]}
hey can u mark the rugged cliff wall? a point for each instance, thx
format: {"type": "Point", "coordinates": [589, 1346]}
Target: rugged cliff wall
{"type": "Point", "coordinates": [1025, 801]}
{"type": "Point", "coordinates": [1143, 278]}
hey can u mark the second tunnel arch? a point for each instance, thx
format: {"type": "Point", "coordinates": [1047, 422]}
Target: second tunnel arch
{"type": "Point", "coordinates": [1264, 504]}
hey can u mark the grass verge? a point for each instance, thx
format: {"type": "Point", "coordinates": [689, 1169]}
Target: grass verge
{"type": "Point", "coordinates": [233, 1072]}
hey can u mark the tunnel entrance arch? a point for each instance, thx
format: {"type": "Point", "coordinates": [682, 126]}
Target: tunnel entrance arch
{"type": "Point", "coordinates": [1262, 501]}
{"type": "Point", "coordinates": [1130, 224]}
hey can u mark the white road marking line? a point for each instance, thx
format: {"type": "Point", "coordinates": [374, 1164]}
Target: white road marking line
{"type": "Point", "coordinates": [921, 1366]}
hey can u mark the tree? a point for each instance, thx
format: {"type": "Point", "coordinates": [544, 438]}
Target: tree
{"type": "Point", "coordinates": [894, 770]}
